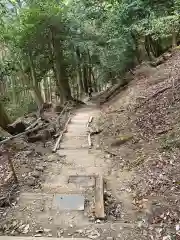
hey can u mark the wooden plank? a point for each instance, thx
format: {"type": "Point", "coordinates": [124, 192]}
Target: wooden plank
{"type": "Point", "coordinates": [99, 198]}
{"type": "Point", "coordinates": [61, 135]}
{"type": "Point", "coordinates": [33, 124]}
{"type": "Point", "coordinates": [89, 121]}
{"type": "Point", "coordinates": [61, 113]}
{"type": "Point", "coordinates": [89, 140]}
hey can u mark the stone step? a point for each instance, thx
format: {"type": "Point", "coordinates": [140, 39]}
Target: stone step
{"type": "Point", "coordinates": [42, 209]}
{"type": "Point", "coordinates": [77, 129]}
{"type": "Point", "coordinates": [72, 134]}
{"type": "Point", "coordinates": [77, 140]}
{"type": "Point", "coordinates": [61, 183]}
{"type": "Point", "coordinates": [79, 121]}
{"type": "Point", "coordinates": [84, 152]}
{"type": "Point", "coordinates": [72, 147]}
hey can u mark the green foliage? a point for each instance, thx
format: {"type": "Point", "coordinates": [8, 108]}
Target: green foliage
{"type": "Point", "coordinates": [16, 110]}
{"type": "Point", "coordinates": [109, 36]}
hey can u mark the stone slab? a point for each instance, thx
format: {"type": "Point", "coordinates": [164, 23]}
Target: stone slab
{"type": "Point", "coordinates": [82, 180]}
{"type": "Point", "coordinates": [68, 202]}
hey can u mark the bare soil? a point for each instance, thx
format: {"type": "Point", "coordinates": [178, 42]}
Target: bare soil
{"type": "Point", "coordinates": [140, 139]}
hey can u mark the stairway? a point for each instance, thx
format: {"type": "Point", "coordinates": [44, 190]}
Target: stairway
{"type": "Point", "coordinates": [60, 204]}
{"type": "Point", "coordinates": [61, 208]}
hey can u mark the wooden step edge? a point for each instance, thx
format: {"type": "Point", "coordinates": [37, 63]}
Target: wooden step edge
{"type": "Point", "coordinates": [99, 198]}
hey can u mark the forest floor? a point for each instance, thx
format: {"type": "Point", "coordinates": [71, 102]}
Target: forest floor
{"type": "Point", "coordinates": [135, 147]}
{"type": "Point", "coordinates": [140, 134]}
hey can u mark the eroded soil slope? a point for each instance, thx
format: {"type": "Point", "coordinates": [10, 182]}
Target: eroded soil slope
{"type": "Point", "coordinates": [141, 138]}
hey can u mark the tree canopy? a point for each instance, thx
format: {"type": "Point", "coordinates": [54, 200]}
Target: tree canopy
{"type": "Point", "coordinates": [65, 46]}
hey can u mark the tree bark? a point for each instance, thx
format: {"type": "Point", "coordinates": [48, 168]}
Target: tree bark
{"type": "Point", "coordinates": [59, 68]}
{"type": "Point", "coordinates": [46, 89]}
{"type": "Point", "coordinates": [4, 119]}
{"type": "Point", "coordinates": [94, 81]}
{"type": "Point", "coordinates": [174, 39]}
{"type": "Point", "coordinates": [85, 78]}
{"type": "Point", "coordinates": [79, 72]}
{"type": "Point", "coordinates": [36, 93]}
{"type": "Point", "coordinates": [135, 39]}
{"type": "Point", "coordinates": [148, 48]}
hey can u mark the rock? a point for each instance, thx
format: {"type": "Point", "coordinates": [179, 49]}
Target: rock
{"type": "Point", "coordinates": [28, 152]}
{"type": "Point", "coordinates": [121, 140]}
{"type": "Point", "coordinates": [92, 218]}
{"type": "Point", "coordinates": [94, 234]}
{"type": "Point", "coordinates": [98, 221]}
{"type": "Point", "coordinates": [31, 182]}
{"type": "Point", "coordinates": [16, 127]}
{"type": "Point", "coordinates": [53, 158]}
{"type": "Point", "coordinates": [60, 233]}
{"type": "Point", "coordinates": [50, 218]}
{"type": "Point", "coordinates": [80, 231]}
{"type": "Point", "coordinates": [35, 174]}
{"type": "Point", "coordinates": [39, 168]}
{"type": "Point", "coordinates": [26, 229]}
{"type": "Point", "coordinates": [47, 105]}
{"type": "Point", "coordinates": [39, 231]}
{"type": "Point", "coordinates": [21, 227]}
{"type": "Point", "coordinates": [167, 237]}
{"type": "Point", "coordinates": [38, 235]}
{"type": "Point", "coordinates": [107, 194]}
{"type": "Point", "coordinates": [58, 108]}
{"type": "Point", "coordinates": [109, 238]}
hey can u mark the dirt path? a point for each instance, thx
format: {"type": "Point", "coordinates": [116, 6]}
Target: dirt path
{"type": "Point", "coordinates": [64, 206]}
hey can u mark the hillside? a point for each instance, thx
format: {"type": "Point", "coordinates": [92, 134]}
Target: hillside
{"type": "Point", "coordinates": [141, 139]}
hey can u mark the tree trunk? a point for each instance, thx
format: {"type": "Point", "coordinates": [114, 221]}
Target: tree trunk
{"type": "Point", "coordinates": [36, 93]}
{"type": "Point", "coordinates": [80, 81]}
{"type": "Point", "coordinates": [94, 81]}
{"type": "Point", "coordinates": [135, 39]}
{"type": "Point", "coordinates": [4, 119]}
{"type": "Point", "coordinates": [2, 87]}
{"type": "Point", "coordinates": [112, 78]}
{"type": "Point", "coordinates": [148, 48]}
{"type": "Point", "coordinates": [46, 89]}
{"type": "Point", "coordinates": [141, 49]}
{"type": "Point", "coordinates": [50, 89]}
{"type": "Point", "coordinates": [13, 89]}
{"type": "Point", "coordinates": [89, 76]}
{"type": "Point", "coordinates": [59, 69]}
{"type": "Point", "coordinates": [64, 80]}
{"type": "Point", "coordinates": [174, 39]}
{"type": "Point", "coordinates": [79, 73]}
{"type": "Point", "coordinates": [85, 78]}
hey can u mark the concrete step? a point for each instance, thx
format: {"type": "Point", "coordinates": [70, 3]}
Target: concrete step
{"type": "Point", "coordinates": [64, 184]}
{"type": "Point", "coordinates": [77, 129]}
{"type": "Point", "coordinates": [42, 209]}
{"type": "Point", "coordinates": [60, 183]}
{"type": "Point", "coordinates": [75, 141]}
{"type": "Point", "coordinates": [79, 121]}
